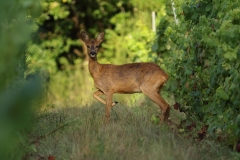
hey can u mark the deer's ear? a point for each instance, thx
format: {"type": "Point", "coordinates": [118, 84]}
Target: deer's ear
{"type": "Point", "coordinates": [84, 36]}
{"type": "Point", "coordinates": [100, 37]}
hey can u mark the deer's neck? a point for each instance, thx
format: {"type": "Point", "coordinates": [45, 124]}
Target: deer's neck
{"type": "Point", "coordinates": [94, 67]}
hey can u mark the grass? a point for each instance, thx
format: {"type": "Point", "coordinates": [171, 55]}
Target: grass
{"type": "Point", "coordinates": [73, 133]}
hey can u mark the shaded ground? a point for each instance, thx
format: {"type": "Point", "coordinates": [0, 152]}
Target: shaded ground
{"type": "Point", "coordinates": [78, 133]}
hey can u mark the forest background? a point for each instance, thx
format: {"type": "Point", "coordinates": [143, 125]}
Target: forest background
{"type": "Point", "coordinates": [43, 63]}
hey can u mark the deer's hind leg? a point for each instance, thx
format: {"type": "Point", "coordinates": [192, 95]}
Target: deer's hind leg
{"type": "Point", "coordinates": [157, 98]}
{"type": "Point", "coordinates": [99, 92]}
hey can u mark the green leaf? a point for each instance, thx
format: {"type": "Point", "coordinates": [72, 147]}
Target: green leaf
{"type": "Point", "coordinates": [209, 7]}
{"type": "Point", "coordinates": [195, 16]}
{"type": "Point", "coordinates": [238, 119]}
{"type": "Point", "coordinates": [196, 94]}
{"type": "Point", "coordinates": [172, 84]}
{"type": "Point", "coordinates": [221, 93]}
{"type": "Point", "coordinates": [230, 55]}
{"type": "Point", "coordinates": [155, 47]}
{"type": "Point", "coordinates": [232, 86]}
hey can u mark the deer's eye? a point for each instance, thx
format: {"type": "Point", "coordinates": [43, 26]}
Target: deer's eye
{"type": "Point", "coordinates": [97, 46]}
{"type": "Point", "coordinates": [88, 46]}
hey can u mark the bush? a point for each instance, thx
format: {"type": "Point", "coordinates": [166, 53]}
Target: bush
{"type": "Point", "coordinates": [203, 61]}
{"type": "Point", "coordinates": [16, 93]}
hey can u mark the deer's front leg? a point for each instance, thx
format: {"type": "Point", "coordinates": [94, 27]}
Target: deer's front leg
{"type": "Point", "coordinates": [99, 92]}
{"type": "Point", "coordinates": [96, 95]}
{"type": "Point", "coordinates": [108, 106]}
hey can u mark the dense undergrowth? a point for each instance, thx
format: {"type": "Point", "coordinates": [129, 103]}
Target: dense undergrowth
{"type": "Point", "coordinates": [201, 53]}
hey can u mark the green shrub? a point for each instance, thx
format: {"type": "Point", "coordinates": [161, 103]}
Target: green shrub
{"type": "Point", "coordinates": [16, 93]}
{"type": "Point", "coordinates": [203, 61]}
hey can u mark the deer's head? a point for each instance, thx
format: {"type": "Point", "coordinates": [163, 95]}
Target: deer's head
{"type": "Point", "coordinates": [92, 44]}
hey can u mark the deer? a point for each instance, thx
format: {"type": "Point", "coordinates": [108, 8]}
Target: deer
{"type": "Point", "coordinates": [144, 77]}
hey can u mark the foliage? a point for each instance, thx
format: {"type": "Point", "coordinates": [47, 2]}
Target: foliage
{"type": "Point", "coordinates": [16, 93]}
{"type": "Point", "coordinates": [153, 5]}
{"type": "Point", "coordinates": [61, 22]}
{"type": "Point", "coordinates": [59, 27]}
{"type": "Point", "coordinates": [203, 60]}
{"type": "Point", "coordinates": [127, 45]}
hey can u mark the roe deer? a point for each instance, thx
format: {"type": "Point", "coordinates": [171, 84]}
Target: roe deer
{"type": "Point", "coordinates": [147, 78]}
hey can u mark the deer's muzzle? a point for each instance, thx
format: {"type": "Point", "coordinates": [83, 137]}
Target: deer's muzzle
{"type": "Point", "coordinates": [92, 54]}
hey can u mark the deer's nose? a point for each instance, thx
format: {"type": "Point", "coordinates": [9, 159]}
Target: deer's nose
{"type": "Point", "coordinates": [92, 54]}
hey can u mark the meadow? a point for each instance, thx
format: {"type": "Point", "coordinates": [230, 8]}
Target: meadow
{"type": "Point", "coordinates": [78, 132]}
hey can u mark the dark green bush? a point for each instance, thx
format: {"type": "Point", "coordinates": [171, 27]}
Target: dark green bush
{"type": "Point", "coordinates": [16, 93]}
{"type": "Point", "coordinates": [203, 60]}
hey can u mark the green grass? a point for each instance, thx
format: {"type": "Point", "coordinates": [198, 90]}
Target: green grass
{"type": "Point", "coordinates": [74, 133]}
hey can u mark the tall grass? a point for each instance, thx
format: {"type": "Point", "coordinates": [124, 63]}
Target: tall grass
{"type": "Point", "coordinates": [79, 133]}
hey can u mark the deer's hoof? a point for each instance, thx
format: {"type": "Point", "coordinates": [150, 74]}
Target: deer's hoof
{"type": "Point", "coordinates": [114, 103]}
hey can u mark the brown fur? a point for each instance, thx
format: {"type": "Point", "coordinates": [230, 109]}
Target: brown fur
{"type": "Point", "coordinates": [147, 78]}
